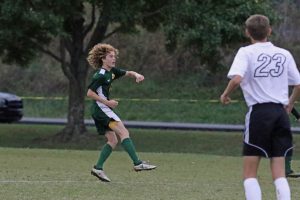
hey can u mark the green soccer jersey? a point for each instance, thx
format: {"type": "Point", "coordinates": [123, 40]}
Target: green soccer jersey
{"type": "Point", "coordinates": [100, 84]}
{"type": "Point", "coordinates": [102, 80]}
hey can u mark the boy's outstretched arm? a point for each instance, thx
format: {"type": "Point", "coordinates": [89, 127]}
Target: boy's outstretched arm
{"type": "Point", "coordinates": [232, 85]}
{"type": "Point", "coordinates": [138, 77]}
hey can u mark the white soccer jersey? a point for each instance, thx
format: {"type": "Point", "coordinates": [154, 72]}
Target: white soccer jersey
{"type": "Point", "coordinates": [267, 71]}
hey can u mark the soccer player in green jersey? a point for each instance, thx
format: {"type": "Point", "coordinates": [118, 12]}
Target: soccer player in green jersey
{"type": "Point", "coordinates": [102, 57]}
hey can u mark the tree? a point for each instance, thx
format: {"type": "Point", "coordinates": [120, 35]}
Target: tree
{"type": "Point", "coordinates": [287, 33]}
{"type": "Point", "coordinates": [27, 27]}
{"type": "Point", "coordinates": [206, 26]}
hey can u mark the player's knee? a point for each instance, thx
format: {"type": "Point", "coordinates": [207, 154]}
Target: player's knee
{"type": "Point", "coordinates": [124, 133]}
{"type": "Point", "coordinates": [113, 143]}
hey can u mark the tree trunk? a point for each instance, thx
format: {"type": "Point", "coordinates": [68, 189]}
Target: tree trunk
{"type": "Point", "coordinates": [75, 128]}
{"type": "Point", "coordinates": [76, 73]}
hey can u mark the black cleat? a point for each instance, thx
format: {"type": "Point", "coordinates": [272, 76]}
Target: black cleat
{"type": "Point", "coordinates": [292, 174]}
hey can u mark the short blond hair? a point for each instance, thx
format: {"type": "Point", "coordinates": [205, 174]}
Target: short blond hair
{"type": "Point", "coordinates": [258, 26]}
{"type": "Point", "coordinates": [98, 52]}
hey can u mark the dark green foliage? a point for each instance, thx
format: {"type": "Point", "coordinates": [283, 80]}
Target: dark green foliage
{"type": "Point", "coordinates": [205, 26]}
{"type": "Point", "coordinates": [24, 26]}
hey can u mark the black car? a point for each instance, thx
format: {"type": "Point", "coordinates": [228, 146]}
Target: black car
{"type": "Point", "coordinates": [11, 107]}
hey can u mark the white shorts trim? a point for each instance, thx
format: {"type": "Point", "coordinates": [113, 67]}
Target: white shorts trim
{"type": "Point", "coordinates": [247, 134]}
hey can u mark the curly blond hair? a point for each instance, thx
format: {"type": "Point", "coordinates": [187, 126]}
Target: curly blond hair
{"type": "Point", "coordinates": [98, 52]}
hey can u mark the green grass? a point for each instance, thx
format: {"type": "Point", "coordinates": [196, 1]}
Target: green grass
{"type": "Point", "coordinates": [34, 174]}
{"type": "Point", "coordinates": [45, 107]}
{"type": "Point", "coordinates": [191, 165]}
{"type": "Point", "coordinates": [200, 111]}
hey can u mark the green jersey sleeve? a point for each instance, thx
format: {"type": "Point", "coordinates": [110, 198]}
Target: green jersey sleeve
{"type": "Point", "coordinates": [97, 81]}
{"type": "Point", "coordinates": [118, 72]}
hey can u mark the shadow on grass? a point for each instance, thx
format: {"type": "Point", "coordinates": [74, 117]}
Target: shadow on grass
{"type": "Point", "coordinates": [40, 136]}
{"type": "Point", "coordinates": [214, 143]}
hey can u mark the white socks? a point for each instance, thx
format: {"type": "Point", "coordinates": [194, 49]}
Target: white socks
{"type": "Point", "coordinates": [252, 189]}
{"type": "Point", "coordinates": [253, 192]}
{"type": "Point", "coordinates": [282, 189]}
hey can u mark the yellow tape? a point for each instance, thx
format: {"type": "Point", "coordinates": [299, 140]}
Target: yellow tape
{"type": "Point", "coordinates": [43, 98]}
{"type": "Point", "coordinates": [138, 99]}
{"type": "Point", "coordinates": [134, 99]}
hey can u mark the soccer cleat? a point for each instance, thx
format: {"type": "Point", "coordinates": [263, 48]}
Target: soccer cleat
{"type": "Point", "coordinates": [293, 174]}
{"type": "Point", "coordinates": [100, 174]}
{"type": "Point", "coordinates": [143, 166]}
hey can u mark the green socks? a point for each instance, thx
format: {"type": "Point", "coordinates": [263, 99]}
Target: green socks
{"type": "Point", "coordinates": [107, 149]}
{"type": "Point", "coordinates": [129, 148]}
{"type": "Point", "coordinates": [105, 152]}
{"type": "Point", "coordinates": [288, 168]}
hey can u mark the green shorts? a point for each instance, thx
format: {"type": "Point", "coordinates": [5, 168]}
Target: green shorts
{"type": "Point", "coordinates": [102, 117]}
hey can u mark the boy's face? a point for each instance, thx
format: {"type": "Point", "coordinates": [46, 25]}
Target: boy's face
{"type": "Point", "coordinates": [109, 60]}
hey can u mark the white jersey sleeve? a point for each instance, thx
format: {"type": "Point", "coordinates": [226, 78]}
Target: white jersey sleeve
{"type": "Point", "coordinates": [293, 73]}
{"type": "Point", "coordinates": [239, 65]}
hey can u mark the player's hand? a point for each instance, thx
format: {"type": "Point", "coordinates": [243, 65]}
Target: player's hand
{"type": "Point", "coordinates": [112, 103]}
{"type": "Point", "coordinates": [289, 107]}
{"type": "Point", "coordinates": [139, 78]}
{"type": "Point", "coordinates": [225, 99]}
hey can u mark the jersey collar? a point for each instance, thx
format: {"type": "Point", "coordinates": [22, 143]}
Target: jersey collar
{"type": "Point", "coordinates": [263, 44]}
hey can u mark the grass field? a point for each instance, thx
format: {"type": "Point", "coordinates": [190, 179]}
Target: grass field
{"type": "Point", "coordinates": [191, 165]}
{"type": "Point", "coordinates": [35, 174]}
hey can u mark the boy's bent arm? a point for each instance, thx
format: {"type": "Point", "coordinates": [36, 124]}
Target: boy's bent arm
{"type": "Point", "coordinates": [138, 77]}
{"type": "Point", "coordinates": [232, 85]}
{"type": "Point", "coordinates": [93, 95]}
{"type": "Point", "coordinates": [294, 96]}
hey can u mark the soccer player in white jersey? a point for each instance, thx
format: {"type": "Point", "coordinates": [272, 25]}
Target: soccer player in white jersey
{"type": "Point", "coordinates": [102, 57]}
{"type": "Point", "coordinates": [264, 72]}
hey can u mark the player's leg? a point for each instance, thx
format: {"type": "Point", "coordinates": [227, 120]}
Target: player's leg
{"type": "Point", "coordinates": [251, 185]}
{"type": "Point", "coordinates": [106, 150]}
{"type": "Point", "coordinates": [257, 144]}
{"type": "Point", "coordinates": [281, 184]}
{"type": "Point", "coordinates": [288, 168]}
{"type": "Point", "coordinates": [282, 146]}
{"type": "Point", "coordinates": [128, 145]}
{"type": "Point", "coordinates": [101, 122]}
{"type": "Point", "coordinates": [126, 142]}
